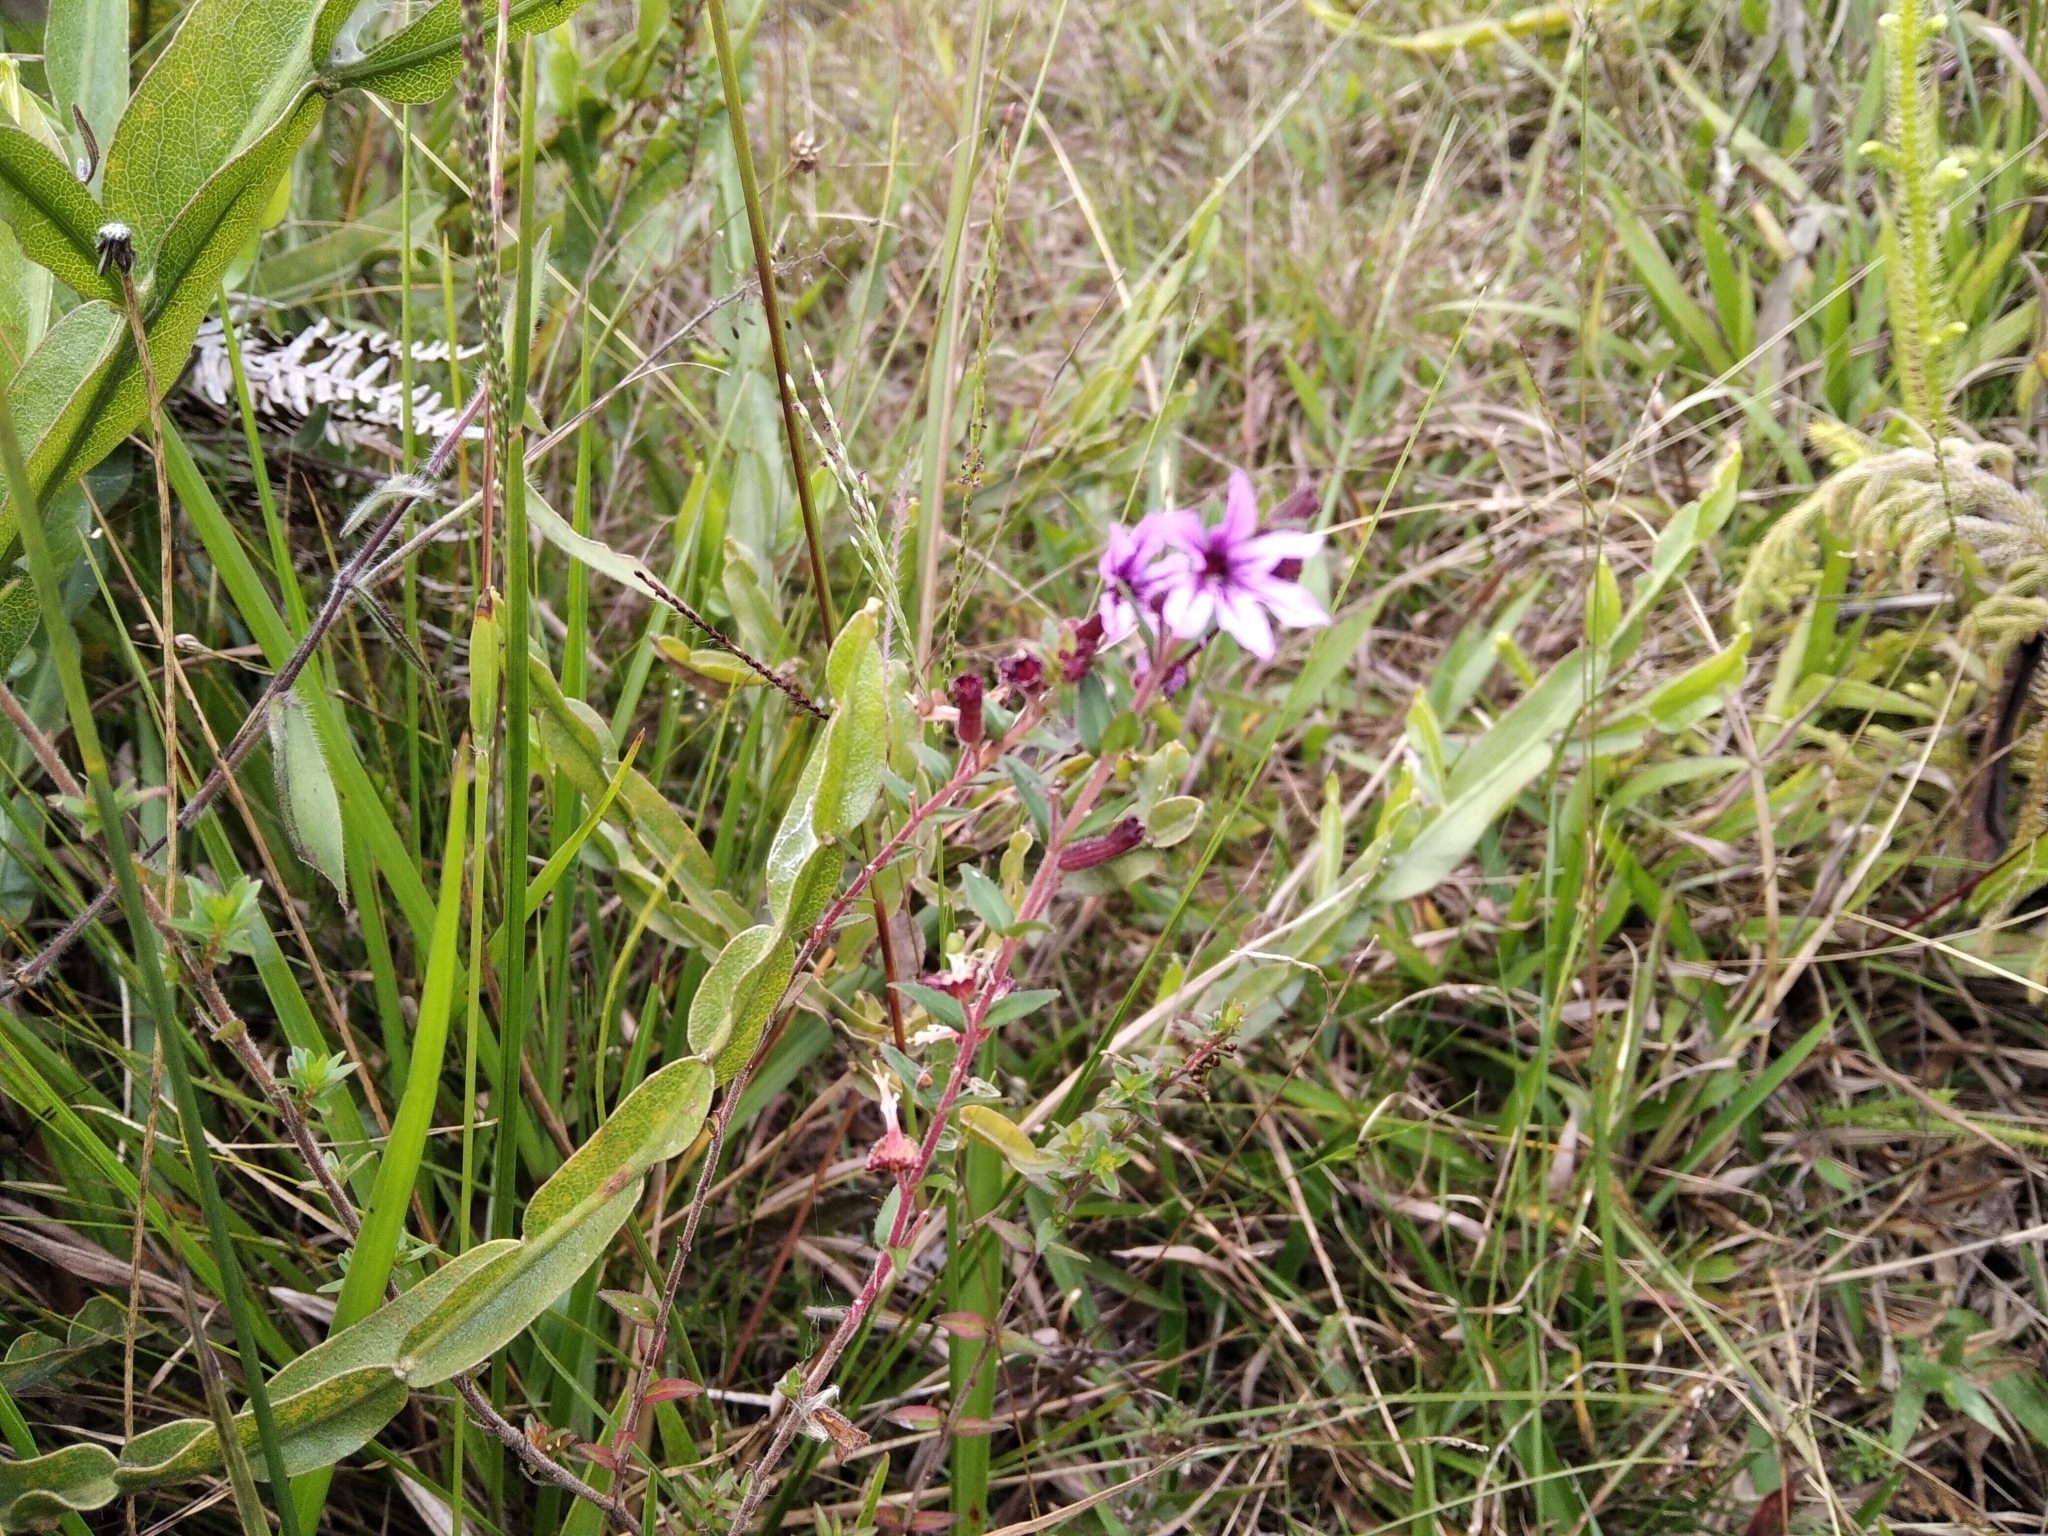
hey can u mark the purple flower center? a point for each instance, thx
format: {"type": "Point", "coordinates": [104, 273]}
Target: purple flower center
{"type": "Point", "coordinates": [1216, 561]}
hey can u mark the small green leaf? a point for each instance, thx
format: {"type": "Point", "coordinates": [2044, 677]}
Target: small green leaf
{"type": "Point", "coordinates": [305, 790]}
{"type": "Point", "coordinates": [1016, 1005]}
{"type": "Point", "coordinates": [939, 1005]}
{"type": "Point", "coordinates": [1173, 820]}
{"type": "Point", "coordinates": [632, 1306]}
{"type": "Point", "coordinates": [1121, 735]}
{"type": "Point", "coordinates": [1603, 605]}
{"type": "Point", "coordinates": [857, 739]}
{"type": "Point", "coordinates": [421, 61]}
{"type": "Point", "coordinates": [988, 900]}
{"type": "Point", "coordinates": [1093, 711]}
{"type": "Point", "coordinates": [1032, 792]}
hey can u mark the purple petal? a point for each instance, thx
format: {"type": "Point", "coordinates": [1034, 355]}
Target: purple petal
{"type": "Point", "coordinates": [1269, 549]}
{"type": "Point", "coordinates": [1239, 615]}
{"type": "Point", "coordinates": [1119, 618]}
{"type": "Point", "coordinates": [1240, 508]}
{"type": "Point", "coordinates": [1188, 608]}
{"type": "Point", "coordinates": [1182, 529]}
{"type": "Point", "coordinates": [1291, 603]}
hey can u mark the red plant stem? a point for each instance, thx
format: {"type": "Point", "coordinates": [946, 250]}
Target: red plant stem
{"type": "Point", "coordinates": [972, 761]}
{"type": "Point", "coordinates": [909, 1223]}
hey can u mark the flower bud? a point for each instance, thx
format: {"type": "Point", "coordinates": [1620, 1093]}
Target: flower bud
{"type": "Point", "coordinates": [1087, 852]}
{"type": "Point", "coordinates": [895, 1152]}
{"type": "Point", "coordinates": [966, 695]}
{"type": "Point", "coordinates": [1077, 654]}
{"type": "Point", "coordinates": [1023, 672]}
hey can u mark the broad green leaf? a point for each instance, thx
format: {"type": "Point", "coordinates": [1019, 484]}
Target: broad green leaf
{"type": "Point", "coordinates": [796, 840]}
{"type": "Point", "coordinates": [26, 288]}
{"type": "Point", "coordinates": [379, 1338]}
{"type": "Point", "coordinates": [52, 216]}
{"type": "Point", "coordinates": [233, 70]}
{"type": "Point", "coordinates": [85, 54]}
{"type": "Point", "coordinates": [812, 890]}
{"type": "Point", "coordinates": [1173, 820]}
{"type": "Point", "coordinates": [35, 1493]}
{"type": "Point", "coordinates": [316, 1427]}
{"type": "Point", "coordinates": [993, 1129]}
{"type": "Point", "coordinates": [500, 1301]}
{"type": "Point", "coordinates": [655, 1121]}
{"type": "Point", "coordinates": [305, 789]}
{"type": "Point", "coordinates": [737, 995]}
{"type": "Point", "coordinates": [857, 739]}
{"type": "Point", "coordinates": [419, 62]}
{"type": "Point", "coordinates": [1489, 774]}
{"type": "Point", "coordinates": [336, 259]}
{"type": "Point", "coordinates": [224, 212]}
{"type": "Point", "coordinates": [1603, 605]}
{"type": "Point", "coordinates": [89, 394]}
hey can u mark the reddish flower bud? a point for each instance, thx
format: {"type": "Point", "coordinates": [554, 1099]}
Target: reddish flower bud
{"type": "Point", "coordinates": [952, 983]}
{"type": "Point", "coordinates": [1024, 672]}
{"type": "Point", "coordinates": [895, 1152]}
{"type": "Point", "coordinates": [1077, 654]}
{"type": "Point", "coordinates": [1087, 852]}
{"type": "Point", "coordinates": [966, 695]}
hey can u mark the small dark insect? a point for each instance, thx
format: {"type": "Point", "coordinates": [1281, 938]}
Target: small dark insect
{"type": "Point", "coordinates": [116, 246]}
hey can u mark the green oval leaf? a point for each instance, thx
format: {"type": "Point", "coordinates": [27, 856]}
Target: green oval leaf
{"type": "Point", "coordinates": [40, 1490]}
{"type": "Point", "coordinates": [419, 62]}
{"type": "Point", "coordinates": [653, 1122]}
{"type": "Point", "coordinates": [737, 995]}
{"type": "Point", "coordinates": [53, 217]}
{"type": "Point", "coordinates": [305, 789]}
{"type": "Point", "coordinates": [495, 1305]}
{"type": "Point", "coordinates": [232, 71]}
{"type": "Point", "coordinates": [1173, 820]}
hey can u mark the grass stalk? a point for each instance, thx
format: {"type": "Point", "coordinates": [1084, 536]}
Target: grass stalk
{"type": "Point", "coordinates": [942, 381]}
{"type": "Point", "coordinates": [63, 645]}
{"type": "Point", "coordinates": [771, 307]}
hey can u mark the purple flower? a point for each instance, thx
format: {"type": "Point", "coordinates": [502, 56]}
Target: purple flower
{"type": "Point", "coordinates": [1133, 576]}
{"type": "Point", "coordinates": [1233, 575]}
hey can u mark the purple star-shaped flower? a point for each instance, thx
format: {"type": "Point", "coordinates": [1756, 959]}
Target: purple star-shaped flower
{"type": "Point", "coordinates": [1229, 573]}
{"type": "Point", "coordinates": [1132, 576]}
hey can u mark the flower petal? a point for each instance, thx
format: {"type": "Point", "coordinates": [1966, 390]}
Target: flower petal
{"type": "Point", "coordinates": [1291, 603]}
{"type": "Point", "coordinates": [1182, 529]}
{"type": "Point", "coordinates": [1240, 508]}
{"type": "Point", "coordinates": [1119, 618]}
{"type": "Point", "coordinates": [1239, 615]}
{"type": "Point", "coordinates": [1268, 549]}
{"type": "Point", "coordinates": [1189, 606]}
